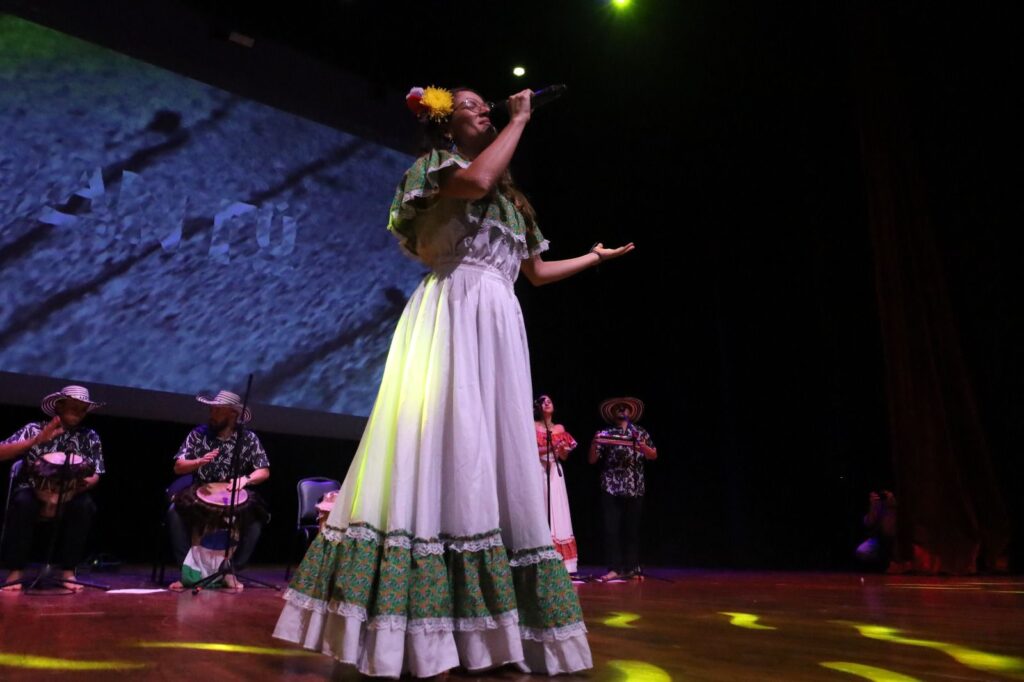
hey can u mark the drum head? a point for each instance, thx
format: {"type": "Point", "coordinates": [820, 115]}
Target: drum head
{"type": "Point", "coordinates": [219, 495]}
{"type": "Point", "coordinates": [58, 458]}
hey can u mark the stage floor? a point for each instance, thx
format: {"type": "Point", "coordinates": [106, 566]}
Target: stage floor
{"type": "Point", "coordinates": [676, 625]}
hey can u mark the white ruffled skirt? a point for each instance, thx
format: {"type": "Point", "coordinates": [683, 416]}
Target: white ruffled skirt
{"type": "Point", "coordinates": [437, 553]}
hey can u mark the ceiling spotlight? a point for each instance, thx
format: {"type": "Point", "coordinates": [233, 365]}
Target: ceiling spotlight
{"type": "Point", "coordinates": [518, 72]}
{"type": "Point", "coordinates": [621, 4]}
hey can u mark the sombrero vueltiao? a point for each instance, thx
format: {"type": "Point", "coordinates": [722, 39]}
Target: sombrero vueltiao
{"type": "Point", "coordinates": [608, 408]}
{"type": "Point", "coordinates": [79, 393]}
{"type": "Point", "coordinates": [228, 399]}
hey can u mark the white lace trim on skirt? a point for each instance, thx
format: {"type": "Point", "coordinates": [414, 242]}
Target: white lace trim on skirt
{"type": "Point", "coordinates": [546, 554]}
{"type": "Point", "coordinates": [396, 622]}
{"type": "Point", "coordinates": [419, 546]}
{"type": "Point", "coordinates": [553, 634]}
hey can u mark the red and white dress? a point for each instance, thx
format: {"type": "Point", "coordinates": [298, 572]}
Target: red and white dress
{"type": "Point", "coordinates": [561, 521]}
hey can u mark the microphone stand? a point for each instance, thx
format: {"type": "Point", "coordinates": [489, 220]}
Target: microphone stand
{"type": "Point", "coordinates": [547, 471]}
{"type": "Point", "coordinates": [48, 574]}
{"type": "Point", "coordinates": [231, 518]}
{"type": "Point", "coordinates": [549, 458]}
{"type": "Point", "coordinates": [635, 433]}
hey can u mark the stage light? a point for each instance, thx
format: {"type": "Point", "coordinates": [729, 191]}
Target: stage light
{"type": "Point", "coordinates": [69, 664]}
{"type": "Point", "coordinates": [868, 672]}
{"type": "Point", "coordinates": [518, 72]}
{"type": "Point", "coordinates": [229, 648]}
{"type": "Point", "coordinates": [621, 619]}
{"type": "Point", "coordinates": [638, 671]}
{"type": "Point", "coordinates": [972, 658]}
{"type": "Point", "coordinates": [621, 4]}
{"type": "Point", "coordinates": [745, 620]}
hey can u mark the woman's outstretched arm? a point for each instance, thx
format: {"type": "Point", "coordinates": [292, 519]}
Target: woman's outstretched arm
{"type": "Point", "coordinates": [541, 272]}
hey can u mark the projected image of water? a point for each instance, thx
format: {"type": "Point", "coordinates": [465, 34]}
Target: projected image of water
{"type": "Point", "coordinates": [160, 233]}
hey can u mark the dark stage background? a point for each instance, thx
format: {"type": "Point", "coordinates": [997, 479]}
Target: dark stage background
{"type": "Point", "coordinates": [762, 157]}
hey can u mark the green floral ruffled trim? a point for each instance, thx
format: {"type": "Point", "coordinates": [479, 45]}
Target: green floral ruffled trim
{"type": "Point", "coordinates": [361, 571]}
{"type": "Point", "coordinates": [418, 190]}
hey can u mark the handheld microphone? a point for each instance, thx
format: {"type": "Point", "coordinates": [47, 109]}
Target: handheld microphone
{"type": "Point", "coordinates": [539, 99]}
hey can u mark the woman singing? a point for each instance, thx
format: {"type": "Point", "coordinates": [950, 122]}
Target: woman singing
{"type": "Point", "coordinates": [437, 553]}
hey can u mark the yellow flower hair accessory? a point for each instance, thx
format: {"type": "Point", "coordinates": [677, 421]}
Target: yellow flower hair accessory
{"type": "Point", "coordinates": [433, 102]}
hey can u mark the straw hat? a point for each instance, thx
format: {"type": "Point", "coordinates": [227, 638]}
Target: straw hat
{"type": "Point", "coordinates": [228, 399]}
{"type": "Point", "coordinates": [635, 405]}
{"type": "Point", "coordinates": [79, 393]}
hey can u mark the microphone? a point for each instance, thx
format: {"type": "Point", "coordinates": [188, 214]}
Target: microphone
{"type": "Point", "coordinates": [539, 99]}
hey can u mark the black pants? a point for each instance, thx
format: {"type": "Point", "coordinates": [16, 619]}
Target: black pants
{"type": "Point", "coordinates": [22, 518]}
{"type": "Point", "coordinates": [622, 531]}
{"type": "Point", "coordinates": [181, 538]}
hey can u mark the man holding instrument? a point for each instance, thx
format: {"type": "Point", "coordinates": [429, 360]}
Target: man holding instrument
{"type": "Point", "coordinates": [43, 447]}
{"type": "Point", "coordinates": [207, 454]}
{"type": "Point", "coordinates": [622, 451]}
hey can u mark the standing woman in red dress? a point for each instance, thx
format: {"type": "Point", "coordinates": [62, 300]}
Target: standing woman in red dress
{"type": "Point", "coordinates": [554, 444]}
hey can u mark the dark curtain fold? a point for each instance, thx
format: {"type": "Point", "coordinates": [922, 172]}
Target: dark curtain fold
{"type": "Point", "coordinates": [952, 518]}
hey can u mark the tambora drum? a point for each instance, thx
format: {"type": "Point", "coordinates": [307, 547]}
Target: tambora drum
{"type": "Point", "coordinates": [49, 471]}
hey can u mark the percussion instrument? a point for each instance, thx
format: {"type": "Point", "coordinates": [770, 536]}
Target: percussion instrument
{"type": "Point", "coordinates": [216, 497]}
{"type": "Point", "coordinates": [55, 470]}
{"type": "Point", "coordinates": [617, 441]}
{"type": "Point", "coordinates": [205, 506]}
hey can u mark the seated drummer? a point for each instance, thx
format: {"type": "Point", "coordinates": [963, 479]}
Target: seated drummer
{"type": "Point", "coordinates": [63, 433]}
{"type": "Point", "coordinates": [207, 454]}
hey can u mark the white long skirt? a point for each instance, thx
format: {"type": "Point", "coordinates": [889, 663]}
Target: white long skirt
{"type": "Point", "coordinates": [561, 520]}
{"type": "Point", "coordinates": [437, 552]}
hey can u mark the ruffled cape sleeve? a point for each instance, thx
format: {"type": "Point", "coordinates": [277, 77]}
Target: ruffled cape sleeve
{"type": "Point", "coordinates": [417, 192]}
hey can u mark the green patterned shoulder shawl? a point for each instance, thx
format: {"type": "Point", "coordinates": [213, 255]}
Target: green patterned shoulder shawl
{"type": "Point", "coordinates": [419, 191]}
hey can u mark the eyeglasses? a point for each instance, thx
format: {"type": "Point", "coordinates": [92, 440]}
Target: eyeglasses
{"type": "Point", "coordinates": [473, 105]}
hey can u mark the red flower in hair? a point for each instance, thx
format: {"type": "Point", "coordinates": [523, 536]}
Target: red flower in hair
{"type": "Point", "coordinates": [414, 101]}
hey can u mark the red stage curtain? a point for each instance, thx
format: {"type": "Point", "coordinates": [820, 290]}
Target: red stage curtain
{"type": "Point", "coordinates": [952, 517]}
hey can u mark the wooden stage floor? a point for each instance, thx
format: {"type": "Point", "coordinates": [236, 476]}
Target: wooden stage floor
{"type": "Point", "coordinates": [702, 625]}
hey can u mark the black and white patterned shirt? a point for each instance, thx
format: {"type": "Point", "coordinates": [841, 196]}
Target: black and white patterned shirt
{"type": "Point", "coordinates": [79, 441]}
{"type": "Point", "coordinates": [201, 440]}
{"type": "Point", "coordinates": [622, 466]}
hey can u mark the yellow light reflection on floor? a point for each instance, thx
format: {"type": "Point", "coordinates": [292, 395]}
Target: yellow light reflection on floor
{"type": "Point", "coordinates": [868, 672]}
{"type": "Point", "coordinates": [229, 648]}
{"type": "Point", "coordinates": [993, 582]}
{"type": "Point", "coordinates": [935, 587]}
{"type": "Point", "coordinates": [69, 664]}
{"type": "Point", "coordinates": [638, 671]}
{"type": "Point", "coordinates": [745, 620]}
{"type": "Point", "coordinates": [621, 619]}
{"type": "Point", "coordinates": [972, 658]}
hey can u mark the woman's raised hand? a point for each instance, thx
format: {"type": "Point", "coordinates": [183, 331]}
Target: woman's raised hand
{"type": "Point", "coordinates": [519, 106]}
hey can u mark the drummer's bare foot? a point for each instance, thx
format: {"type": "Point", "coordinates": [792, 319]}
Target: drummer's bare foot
{"type": "Point", "coordinates": [232, 583]}
{"type": "Point", "coordinates": [11, 577]}
{"type": "Point", "coordinates": [176, 586]}
{"type": "Point", "coordinates": [68, 576]}
{"type": "Point", "coordinates": [609, 576]}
